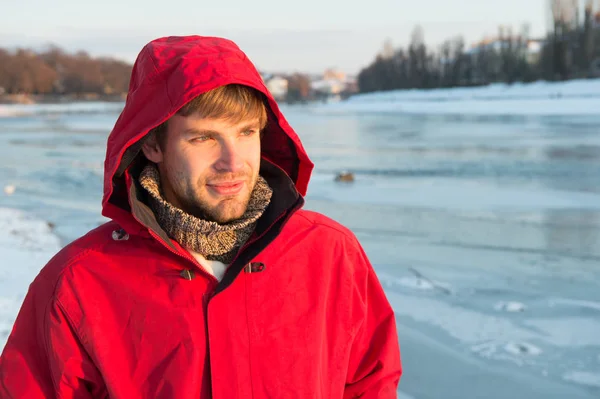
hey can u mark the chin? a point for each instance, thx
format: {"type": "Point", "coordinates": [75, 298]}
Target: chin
{"type": "Point", "coordinates": [228, 213]}
{"type": "Point", "coordinates": [224, 219]}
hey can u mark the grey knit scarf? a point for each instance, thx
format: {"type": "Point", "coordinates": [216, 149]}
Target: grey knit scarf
{"type": "Point", "coordinates": [212, 240]}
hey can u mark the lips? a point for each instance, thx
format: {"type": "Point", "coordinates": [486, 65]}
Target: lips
{"type": "Point", "coordinates": [226, 188]}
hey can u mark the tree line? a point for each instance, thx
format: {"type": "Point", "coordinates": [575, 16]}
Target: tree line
{"type": "Point", "coordinates": [570, 50]}
{"type": "Point", "coordinates": [54, 71]}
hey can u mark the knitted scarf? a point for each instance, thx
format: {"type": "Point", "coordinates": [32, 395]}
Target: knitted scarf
{"type": "Point", "coordinates": [212, 240]}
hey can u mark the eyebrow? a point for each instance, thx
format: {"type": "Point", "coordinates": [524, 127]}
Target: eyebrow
{"type": "Point", "coordinates": [193, 131]}
{"type": "Point", "coordinates": [253, 125]}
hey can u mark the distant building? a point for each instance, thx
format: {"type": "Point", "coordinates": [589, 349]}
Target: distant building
{"type": "Point", "coordinates": [327, 87]}
{"type": "Point", "coordinates": [278, 86]}
{"type": "Point", "coordinates": [334, 85]}
{"type": "Point", "coordinates": [334, 74]}
{"type": "Point", "coordinates": [533, 51]}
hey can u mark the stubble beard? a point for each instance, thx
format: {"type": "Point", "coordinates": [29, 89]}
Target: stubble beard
{"type": "Point", "coordinates": [227, 209]}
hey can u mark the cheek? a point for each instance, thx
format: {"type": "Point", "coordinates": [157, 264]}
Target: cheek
{"type": "Point", "coordinates": [255, 159]}
{"type": "Point", "coordinates": [197, 166]}
{"type": "Point", "coordinates": [179, 166]}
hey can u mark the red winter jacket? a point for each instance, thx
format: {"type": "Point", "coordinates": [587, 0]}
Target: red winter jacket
{"type": "Point", "coordinates": [125, 312]}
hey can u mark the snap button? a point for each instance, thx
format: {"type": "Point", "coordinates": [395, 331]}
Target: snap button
{"type": "Point", "coordinates": [120, 235]}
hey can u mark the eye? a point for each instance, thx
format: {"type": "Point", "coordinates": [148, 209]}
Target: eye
{"type": "Point", "coordinates": [200, 139]}
{"type": "Point", "coordinates": [248, 132]}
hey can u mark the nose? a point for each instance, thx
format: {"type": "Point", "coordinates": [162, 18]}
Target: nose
{"type": "Point", "coordinates": [230, 158]}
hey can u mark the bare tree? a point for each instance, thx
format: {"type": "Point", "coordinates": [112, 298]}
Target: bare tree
{"type": "Point", "coordinates": [587, 53]}
{"type": "Point", "coordinates": [564, 21]}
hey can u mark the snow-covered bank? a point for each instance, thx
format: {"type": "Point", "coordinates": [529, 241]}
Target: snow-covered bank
{"type": "Point", "coordinates": [90, 107]}
{"type": "Point", "coordinates": [534, 107]}
{"type": "Point", "coordinates": [578, 97]}
{"type": "Point", "coordinates": [26, 244]}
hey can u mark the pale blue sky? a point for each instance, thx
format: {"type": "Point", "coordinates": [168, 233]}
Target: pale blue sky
{"type": "Point", "coordinates": [304, 35]}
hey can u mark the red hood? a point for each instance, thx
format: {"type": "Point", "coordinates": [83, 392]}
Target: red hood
{"type": "Point", "coordinates": [168, 73]}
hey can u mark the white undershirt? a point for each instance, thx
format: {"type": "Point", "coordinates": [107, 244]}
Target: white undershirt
{"type": "Point", "coordinates": [213, 267]}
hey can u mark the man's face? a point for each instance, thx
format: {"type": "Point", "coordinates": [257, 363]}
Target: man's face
{"type": "Point", "coordinates": [209, 167]}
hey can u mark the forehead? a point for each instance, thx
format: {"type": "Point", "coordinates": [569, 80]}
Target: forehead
{"type": "Point", "coordinates": [181, 123]}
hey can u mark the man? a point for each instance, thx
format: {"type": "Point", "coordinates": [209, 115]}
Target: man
{"type": "Point", "coordinates": [210, 280]}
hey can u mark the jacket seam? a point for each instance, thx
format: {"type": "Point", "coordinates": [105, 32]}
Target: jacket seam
{"type": "Point", "coordinates": [71, 321]}
{"type": "Point", "coordinates": [163, 80]}
{"type": "Point", "coordinates": [67, 266]}
{"type": "Point", "coordinates": [53, 298]}
{"type": "Point", "coordinates": [47, 346]}
{"type": "Point", "coordinates": [47, 331]}
{"type": "Point", "coordinates": [95, 247]}
{"type": "Point", "coordinates": [3, 386]}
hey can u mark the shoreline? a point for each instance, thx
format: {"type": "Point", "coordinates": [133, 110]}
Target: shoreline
{"type": "Point", "coordinates": [29, 99]}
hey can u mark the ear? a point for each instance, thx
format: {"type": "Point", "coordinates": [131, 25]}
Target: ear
{"type": "Point", "coordinates": [152, 149]}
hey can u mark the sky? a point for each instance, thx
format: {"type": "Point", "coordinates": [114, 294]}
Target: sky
{"type": "Point", "coordinates": [304, 36]}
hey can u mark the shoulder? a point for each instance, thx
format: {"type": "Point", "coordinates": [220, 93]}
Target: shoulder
{"type": "Point", "coordinates": [317, 237]}
{"type": "Point", "coordinates": [322, 223]}
{"type": "Point", "coordinates": [321, 230]}
{"type": "Point", "coordinates": [88, 249]}
{"type": "Point", "coordinates": [55, 281]}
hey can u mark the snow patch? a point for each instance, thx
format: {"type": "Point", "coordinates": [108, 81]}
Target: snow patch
{"type": "Point", "coordinates": [584, 378]}
{"type": "Point", "coordinates": [574, 302]}
{"type": "Point", "coordinates": [26, 245]}
{"type": "Point", "coordinates": [575, 332]}
{"type": "Point", "coordinates": [579, 97]}
{"type": "Point", "coordinates": [91, 107]}
{"type": "Point", "coordinates": [415, 283]}
{"type": "Point", "coordinates": [514, 351]}
{"type": "Point", "coordinates": [522, 348]}
{"type": "Point", "coordinates": [510, 307]}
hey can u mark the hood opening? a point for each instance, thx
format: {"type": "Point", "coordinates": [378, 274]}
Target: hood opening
{"type": "Point", "coordinates": [168, 73]}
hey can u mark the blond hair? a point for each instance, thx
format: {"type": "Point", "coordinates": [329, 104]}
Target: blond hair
{"type": "Point", "coordinates": [233, 102]}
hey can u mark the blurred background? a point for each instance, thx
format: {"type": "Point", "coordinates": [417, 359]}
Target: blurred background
{"type": "Point", "coordinates": [458, 140]}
